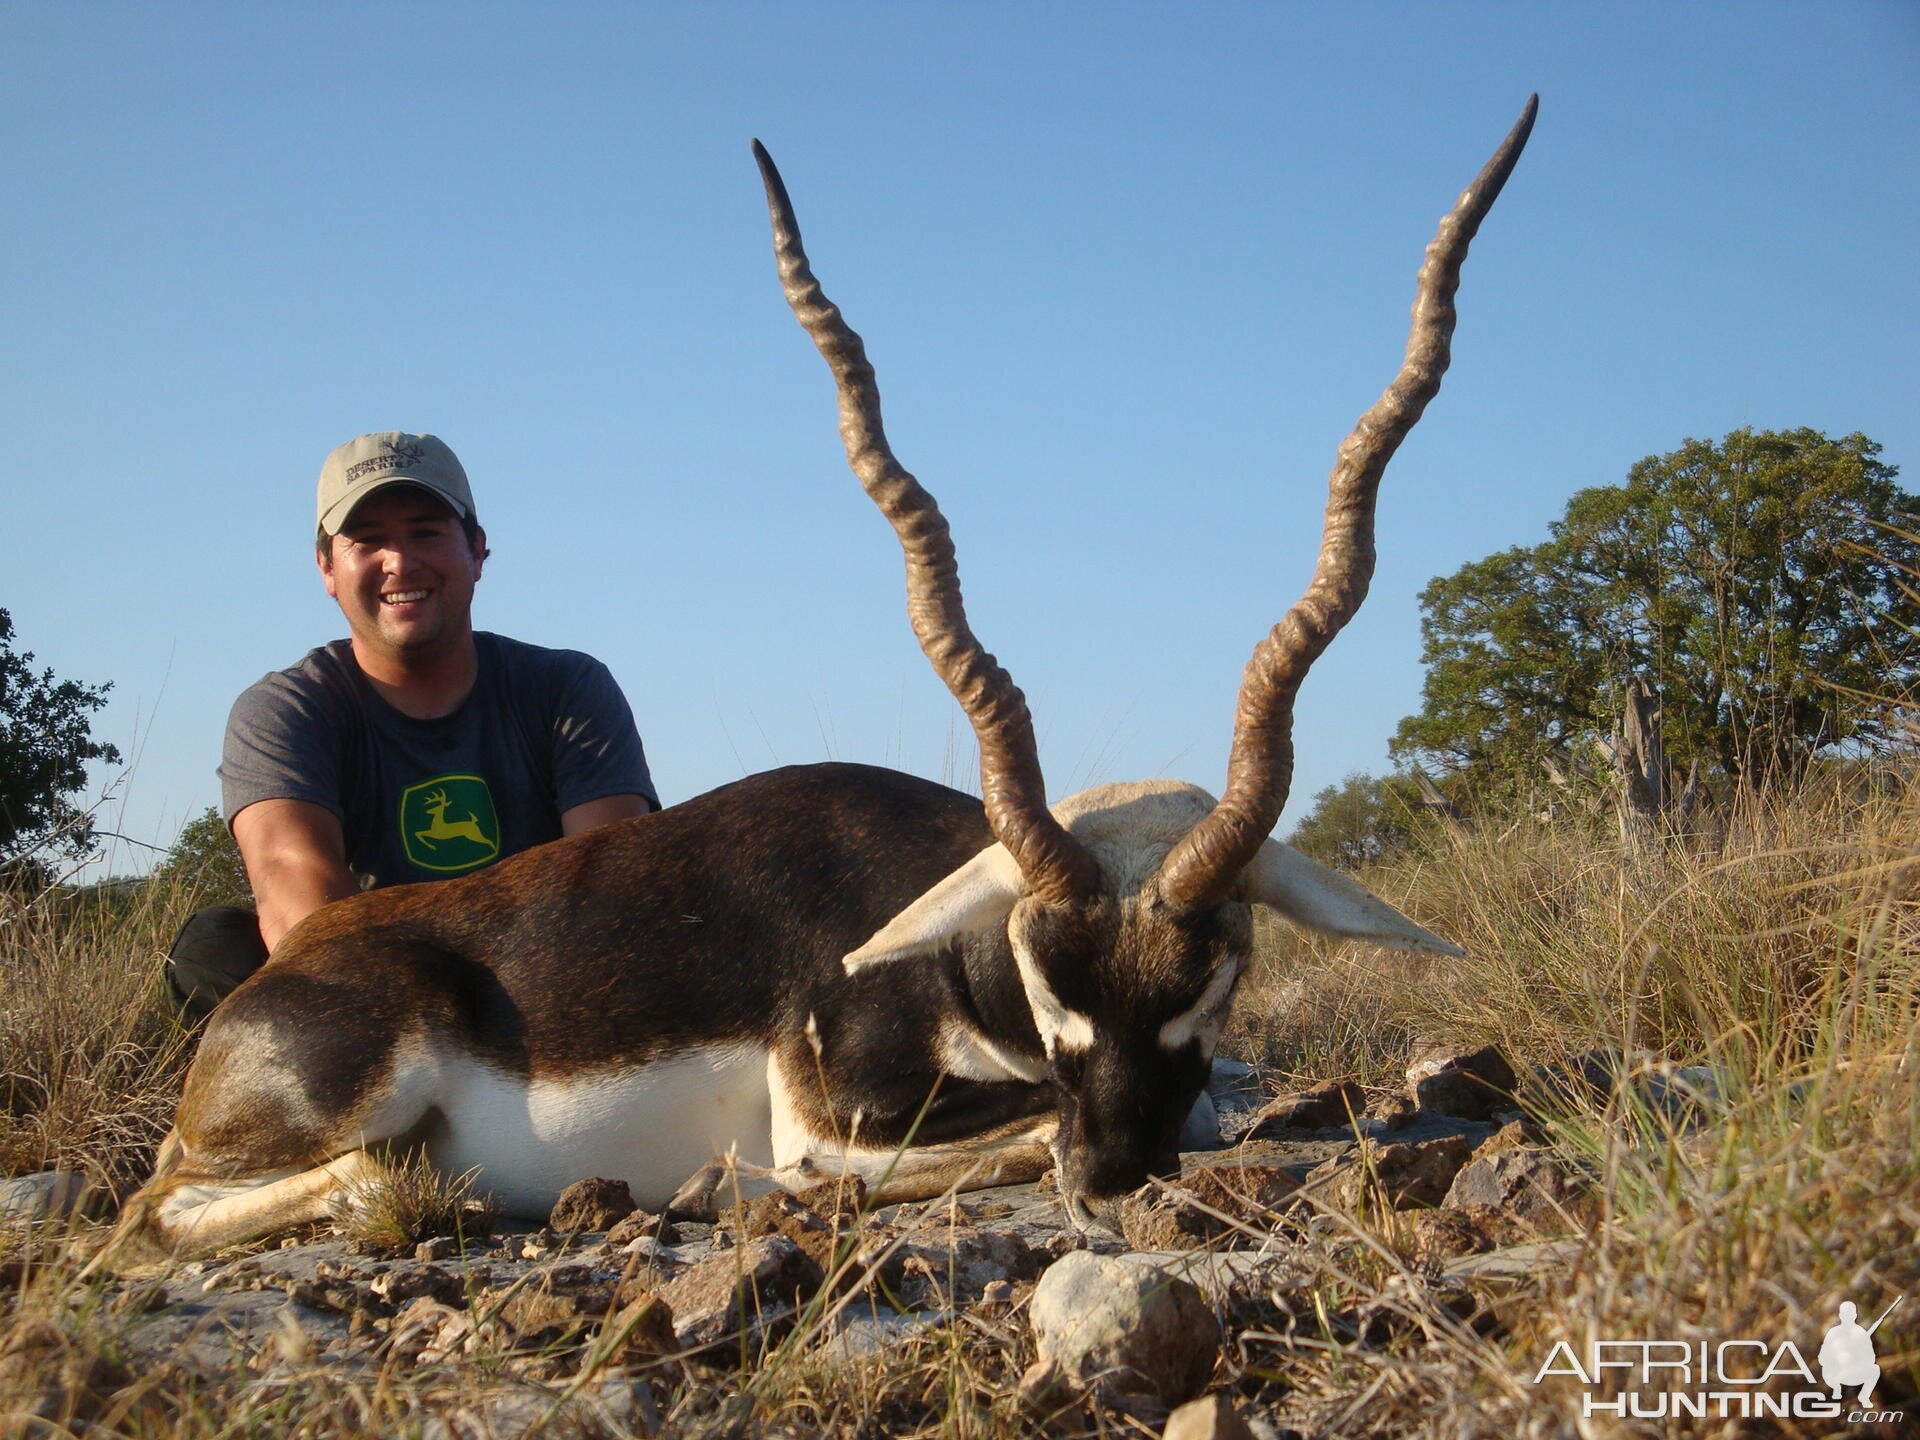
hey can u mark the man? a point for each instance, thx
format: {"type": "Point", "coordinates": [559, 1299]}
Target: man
{"type": "Point", "coordinates": [415, 749]}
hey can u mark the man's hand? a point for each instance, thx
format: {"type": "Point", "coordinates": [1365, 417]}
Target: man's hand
{"type": "Point", "coordinates": [296, 861]}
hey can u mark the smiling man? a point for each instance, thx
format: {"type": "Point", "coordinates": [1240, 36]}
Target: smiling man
{"type": "Point", "coordinates": [416, 748]}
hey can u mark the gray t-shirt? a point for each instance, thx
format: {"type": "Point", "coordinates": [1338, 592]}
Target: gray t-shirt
{"type": "Point", "coordinates": [543, 731]}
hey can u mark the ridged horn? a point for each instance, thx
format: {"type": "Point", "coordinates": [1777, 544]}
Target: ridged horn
{"type": "Point", "coordinates": [1055, 866]}
{"type": "Point", "coordinates": [1205, 865]}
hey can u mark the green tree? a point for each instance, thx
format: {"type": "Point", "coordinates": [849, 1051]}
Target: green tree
{"type": "Point", "coordinates": [1359, 820]}
{"type": "Point", "coordinates": [1756, 585]}
{"type": "Point", "coordinates": [205, 858]}
{"type": "Point", "coordinates": [46, 742]}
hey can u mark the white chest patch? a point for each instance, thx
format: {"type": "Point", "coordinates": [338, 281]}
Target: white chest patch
{"type": "Point", "coordinates": [652, 1126]}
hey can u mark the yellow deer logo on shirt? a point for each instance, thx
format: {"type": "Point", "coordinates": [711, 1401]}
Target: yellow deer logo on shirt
{"type": "Point", "coordinates": [448, 823]}
{"type": "Point", "coordinates": [445, 829]}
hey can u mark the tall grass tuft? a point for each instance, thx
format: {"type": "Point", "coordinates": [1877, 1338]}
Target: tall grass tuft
{"type": "Point", "coordinates": [91, 1054]}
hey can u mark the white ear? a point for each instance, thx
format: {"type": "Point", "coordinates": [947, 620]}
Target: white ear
{"type": "Point", "coordinates": [1312, 896]}
{"type": "Point", "coordinates": [977, 896]}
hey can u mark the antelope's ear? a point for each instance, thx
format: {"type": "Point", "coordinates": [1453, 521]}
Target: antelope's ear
{"type": "Point", "coordinates": [978, 896]}
{"type": "Point", "coordinates": [1314, 897]}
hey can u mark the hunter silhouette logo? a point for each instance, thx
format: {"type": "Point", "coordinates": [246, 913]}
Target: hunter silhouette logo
{"type": "Point", "coordinates": [1730, 1379]}
{"type": "Point", "coordinates": [1846, 1355]}
{"type": "Point", "coordinates": [448, 823]}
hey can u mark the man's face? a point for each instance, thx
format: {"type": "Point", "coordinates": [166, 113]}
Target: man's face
{"type": "Point", "coordinates": [403, 573]}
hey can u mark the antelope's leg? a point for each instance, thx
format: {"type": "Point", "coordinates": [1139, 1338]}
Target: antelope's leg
{"type": "Point", "coordinates": [180, 1214]}
{"type": "Point", "coordinates": [1010, 1155]}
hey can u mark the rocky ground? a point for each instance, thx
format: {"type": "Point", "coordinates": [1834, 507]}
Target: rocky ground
{"type": "Point", "coordinates": [593, 1319]}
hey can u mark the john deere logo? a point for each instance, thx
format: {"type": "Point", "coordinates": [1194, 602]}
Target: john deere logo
{"type": "Point", "coordinates": [448, 823]}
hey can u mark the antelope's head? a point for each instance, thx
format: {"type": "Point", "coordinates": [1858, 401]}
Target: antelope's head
{"type": "Point", "coordinates": [1126, 907]}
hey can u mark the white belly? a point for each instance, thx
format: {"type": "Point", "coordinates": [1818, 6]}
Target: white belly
{"type": "Point", "coordinates": [652, 1127]}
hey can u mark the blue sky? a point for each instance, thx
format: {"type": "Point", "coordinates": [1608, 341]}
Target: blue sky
{"type": "Point", "coordinates": [1129, 273]}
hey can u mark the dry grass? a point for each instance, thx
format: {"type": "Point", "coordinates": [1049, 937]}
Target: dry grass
{"type": "Point", "coordinates": [1779, 949]}
{"type": "Point", "coordinates": [410, 1201]}
{"type": "Point", "coordinates": [90, 1053]}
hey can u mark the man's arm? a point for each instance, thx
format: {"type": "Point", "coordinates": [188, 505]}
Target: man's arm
{"type": "Point", "coordinates": [603, 811]}
{"type": "Point", "coordinates": [296, 861]}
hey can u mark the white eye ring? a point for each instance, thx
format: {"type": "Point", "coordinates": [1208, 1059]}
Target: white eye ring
{"type": "Point", "coordinates": [1060, 1027]}
{"type": "Point", "coordinates": [1208, 1015]}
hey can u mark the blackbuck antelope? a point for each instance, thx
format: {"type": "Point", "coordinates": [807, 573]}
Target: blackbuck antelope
{"type": "Point", "coordinates": [821, 970]}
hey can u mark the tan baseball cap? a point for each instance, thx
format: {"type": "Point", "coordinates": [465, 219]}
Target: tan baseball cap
{"type": "Point", "coordinates": [389, 457]}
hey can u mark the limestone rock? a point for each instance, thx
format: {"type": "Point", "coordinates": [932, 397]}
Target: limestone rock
{"type": "Point", "coordinates": [958, 1267]}
{"type": "Point", "coordinates": [781, 1213]}
{"type": "Point", "coordinates": [554, 1304]}
{"type": "Point", "coordinates": [1228, 1078]}
{"type": "Point", "coordinates": [1403, 1175]}
{"type": "Point", "coordinates": [1525, 1183]}
{"type": "Point", "coordinates": [50, 1195]}
{"type": "Point", "coordinates": [409, 1282]}
{"type": "Point", "coordinates": [1116, 1326]}
{"type": "Point", "coordinates": [1201, 1129]}
{"type": "Point", "coordinates": [1577, 1082]}
{"type": "Point", "coordinates": [595, 1204]}
{"type": "Point", "coordinates": [758, 1280]}
{"type": "Point", "coordinates": [1325, 1107]}
{"type": "Point", "coordinates": [1467, 1084]}
{"type": "Point", "coordinates": [1211, 1417]}
{"type": "Point", "coordinates": [638, 1224]}
{"type": "Point", "coordinates": [1437, 1236]}
{"type": "Point", "coordinates": [841, 1200]}
{"type": "Point", "coordinates": [642, 1333]}
{"type": "Point", "coordinates": [1250, 1196]}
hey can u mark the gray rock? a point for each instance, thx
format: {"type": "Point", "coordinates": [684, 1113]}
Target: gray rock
{"type": "Point", "coordinates": [1211, 1417]}
{"type": "Point", "coordinates": [1332, 1106]}
{"type": "Point", "coordinates": [1119, 1326]}
{"type": "Point", "coordinates": [1201, 1129]}
{"type": "Point", "coordinates": [761, 1278]}
{"type": "Point", "coordinates": [653, 1251]}
{"type": "Point", "coordinates": [612, 1407]}
{"type": "Point", "coordinates": [955, 1267]}
{"type": "Point", "coordinates": [411, 1281]}
{"type": "Point", "coordinates": [1689, 1094]}
{"type": "Point", "coordinates": [1524, 1182]}
{"type": "Point", "coordinates": [1515, 1261]}
{"type": "Point", "coordinates": [862, 1330]}
{"type": "Point", "coordinates": [1470, 1084]}
{"type": "Point", "coordinates": [50, 1195]}
{"type": "Point", "coordinates": [594, 1204]}
{"type": "Point", "coordinates": [1405, 1175]}
{"type": "Point", "coordinates": [1228, 1078]}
